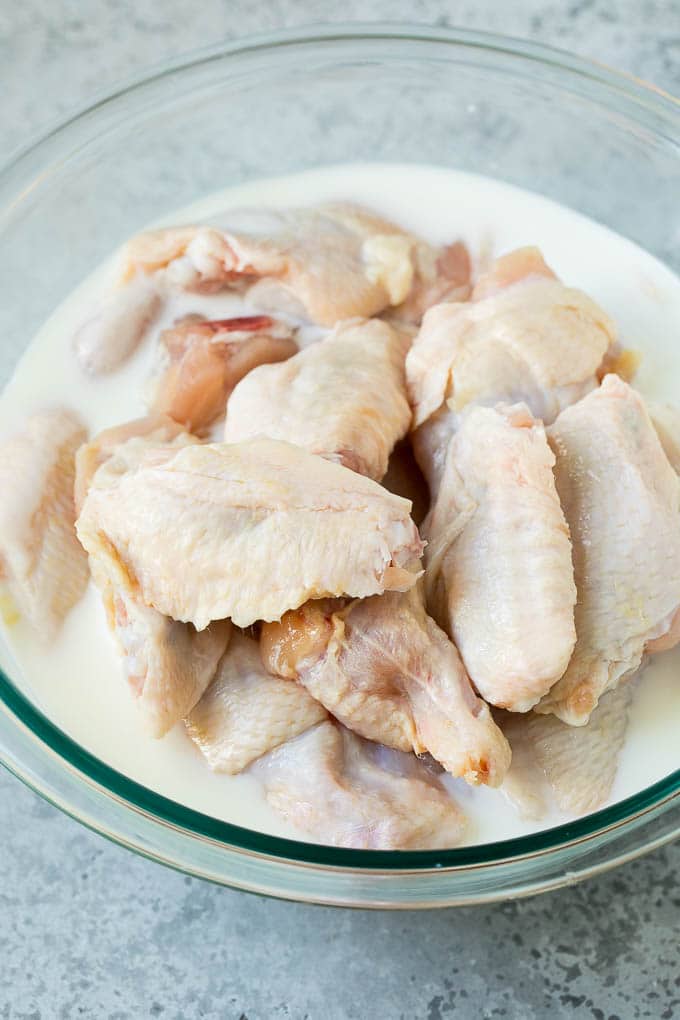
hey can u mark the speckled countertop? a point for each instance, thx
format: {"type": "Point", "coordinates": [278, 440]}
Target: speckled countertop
{"type": "Point", "coordinates": [89, 930]}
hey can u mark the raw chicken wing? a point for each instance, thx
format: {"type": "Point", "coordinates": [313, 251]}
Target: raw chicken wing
{"type": "Point", "coordinates": [498, 563]}
{"type": "Point", "coordinates": [201, 361]}
{"type": "Point", "coordinates": [122, 447]}
{"type": "Point", "coordinates": [442, 274]}
{"type": "Point", "coordinates": [343, 398]}
{"type": "Point", "coordinates": [383, 668]}
{"type": "Point", "coordinates": [41, 560]}
{"type": "Point", "coordinates": [621, 499]}
{"type": "Point", "coordinates": [524, 784]}
{"type": "Point", "coordinates": [345, 791]}
{"type": "Point", "coordinates": [168, 664]}
{"type": "Point", "coordinates": [577, 763]}
{"type": "Point", "coordinates": [249, 530]}
{"type": "Point", "coordinates": [246, 712]}
{"type": "Point", "coordinates": [324, 264]}
{"type": "Point", "coordinates": [524, 337]}
{"type": "Point", "coordinates": [666, 421]}
{"type": "Point", "coordinates": [114, 331]}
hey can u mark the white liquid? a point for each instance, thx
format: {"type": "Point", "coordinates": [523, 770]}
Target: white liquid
{"type": "Point", "coordinates": [77, 681]}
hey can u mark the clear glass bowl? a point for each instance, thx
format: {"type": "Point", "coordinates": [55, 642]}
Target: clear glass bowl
{"type": "Point", "coordinates": [583, 135]}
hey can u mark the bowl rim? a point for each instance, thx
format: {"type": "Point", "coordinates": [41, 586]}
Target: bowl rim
{"type": "Point", "coordinates": [643, 92]}
{"type": "Point", "coordinates": [622, 87]}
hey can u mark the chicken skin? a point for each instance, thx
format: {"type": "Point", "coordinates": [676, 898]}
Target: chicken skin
{"type": "Point", "coordinates": [246, 712]}
{"type": "Point", "coordinates": [346, 791]}
{"type": "Point", "coordinates": [442, 274]}
{"type": "Point", "coordinates": [574, 766]}
{"type": "Point", "coordinates": [384, 669]}
{"type": "Point", "coordinates": [41, 561]}
{"type": "Point", "coordinates": [525, 336]}
{"type": "Point", "coordinates": [343, 398]}
{"type": "Point", "coordinates": [323, 264]}
{"type": "Point", "coordinates": [249, 530]}
{"type": "Point", "coordinates": [200, 362]}
{"type": "Point", "coordinates": [666, 421]}
{"type": "Point", "coordinates": [113, 332]}
{"type": "Point", "coordinates": [122, 447]}
{"type": "Point", "coordinates": [499, 574]}
{"type": "Point", "coordinates": [621, 498]}
{"type": "Point", "coordinates": [168, 665]}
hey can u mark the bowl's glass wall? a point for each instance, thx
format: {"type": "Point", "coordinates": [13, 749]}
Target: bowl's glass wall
{"type": "Point", "coordinates": [527, 116]}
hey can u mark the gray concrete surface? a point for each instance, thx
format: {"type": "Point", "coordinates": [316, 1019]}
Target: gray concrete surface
{"type": "Point", "coordinates": [88, 929]}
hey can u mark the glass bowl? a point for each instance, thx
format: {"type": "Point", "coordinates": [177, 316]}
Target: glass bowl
{"type": "Point", "coordinates": [526, 114]}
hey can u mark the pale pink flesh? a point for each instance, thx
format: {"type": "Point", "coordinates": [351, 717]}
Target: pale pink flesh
{"type": "Point", "coordinates": [204, 360]}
